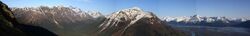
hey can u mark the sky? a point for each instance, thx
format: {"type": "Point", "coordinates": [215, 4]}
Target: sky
{"type": "Point", "coordinates": [229, 8]}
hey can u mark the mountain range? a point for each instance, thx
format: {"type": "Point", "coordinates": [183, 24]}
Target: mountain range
{"type": "Point", "coordinates": [134, 21]}
{"type": "Point", "coordinates": [9, 26]}
{"type": "Point", "coordinates": [197, 18]}
{"type": "Point", "coordinates": [70, 21]}
{"type": "Point", "coordinates": [204, 21]}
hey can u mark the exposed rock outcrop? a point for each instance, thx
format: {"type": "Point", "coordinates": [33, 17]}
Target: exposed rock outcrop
{"type": "Point", "coordinates": [135, 22]}
{"type": "Point", "coordinates": [9, 26]}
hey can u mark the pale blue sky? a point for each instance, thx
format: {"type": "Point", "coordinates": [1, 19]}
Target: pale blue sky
{"type": "Point", "coordinates": [231, 8]}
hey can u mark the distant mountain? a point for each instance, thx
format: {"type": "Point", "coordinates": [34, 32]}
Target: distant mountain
{"type": "Point", "coordinates": [197, 18]}
{"type": "Point", "coordinates": [95, 14]}
{"type": "Point", "coordinates": [70, 21]}
{"type": "Point", "coordinates": [204, 21]}
{"type": "Point", "coordinates": [135, 22]}
{"type": "Point", "coordinates": [64, 21]}
{"type": "Point", "coordinates": [9, 26]}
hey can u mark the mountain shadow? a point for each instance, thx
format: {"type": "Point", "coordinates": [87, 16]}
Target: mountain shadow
{"type": "Point", "coordinates": [10, 27]}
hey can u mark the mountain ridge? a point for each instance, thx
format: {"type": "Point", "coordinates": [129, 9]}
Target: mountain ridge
{"type": "Point", "coordinates": [197, 18]}
{"type": "Point", "coordinates": [135, 22]}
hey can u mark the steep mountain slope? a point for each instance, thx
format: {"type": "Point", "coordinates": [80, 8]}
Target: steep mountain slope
{"type": "Point", "coordinates": [9, 26]}
{"type": "Point", "coordinates": [135, 22]}
{"type": "Point", "coordinates": [64, 21]}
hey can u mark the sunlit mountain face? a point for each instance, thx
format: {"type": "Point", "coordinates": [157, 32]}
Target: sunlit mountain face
{"type": "Point", "coordinates": [69, 21]}
{"type": "Point", "coordinates": [64, 21]}
{"type": "Point", "coordinates": [124, 18]}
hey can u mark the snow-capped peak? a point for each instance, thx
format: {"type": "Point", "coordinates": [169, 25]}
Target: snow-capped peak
{"type": "Point", "coordinates": [132, 20]}
{"type": "Point", "coordinates": [197, 18]}
{"type": "Point", "coordinates": [136, 8]}
{"type": "Point", "coordinates": [95, 14]}
{"type": "Point", "coordinates": [130, 15]}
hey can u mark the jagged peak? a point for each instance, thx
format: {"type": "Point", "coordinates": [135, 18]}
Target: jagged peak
{"type": "Point", "coordinates": [95, 14]}
{"type": "Point", "coordinates": [131, 20]}
{"type": "Point", "coordinates": [131, 10]}
{"type": "Point", "coordinates": [196, 15]}
{"type": "Point", "coordinates": [130, 13]}
{"type": "Point", "coordinates": [135, 8]}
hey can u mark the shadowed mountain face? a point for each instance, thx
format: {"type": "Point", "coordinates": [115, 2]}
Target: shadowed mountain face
{"type": "Point", "coordinates": [10, 27]}
{"type": "Point", "coordinates": [135, 22]}
{"type": "Point", "coordinates": [67, 21]}
{"type": "Point", "coordinates": [245, 24]}
{"type": "Point", "coordinates": [64, 21]}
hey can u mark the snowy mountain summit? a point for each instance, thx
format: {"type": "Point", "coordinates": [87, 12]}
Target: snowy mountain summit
{"type": "Point", "coordinates": [70, 21]}
{"type": "Point", "coordinates": [60, 19]}
{"type": "Point", "coordinates": [131, 14]}
{"type": "Point", "coordinates": [95, 14]}
{"type": "Point", "coordinates": [134, 22]}
{"type": "Point", "coordinates": [197, 18]}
